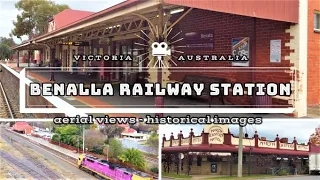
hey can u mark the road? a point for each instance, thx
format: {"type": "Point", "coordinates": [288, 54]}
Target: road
{"type": "Point", "coordinates": [65, 169]}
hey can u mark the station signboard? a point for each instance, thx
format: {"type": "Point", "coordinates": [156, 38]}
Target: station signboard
{"type": "Point", "coordinates": [77, 43]}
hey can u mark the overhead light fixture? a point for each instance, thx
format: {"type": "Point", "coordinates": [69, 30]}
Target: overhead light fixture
{"type": "Point", "coordinates": [175, 11]}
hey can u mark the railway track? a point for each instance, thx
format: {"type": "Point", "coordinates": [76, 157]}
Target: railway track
{"type": "Point", "coordinates": [8, 110]}
{"type": "Point", "coordinates": [70, 160]}
{"type": "Point", "coordinates": [61, 156]}
{"type": "Point", "coordinates": [51, 174]}
{"type": "Point", "coordinates": [20, 165]}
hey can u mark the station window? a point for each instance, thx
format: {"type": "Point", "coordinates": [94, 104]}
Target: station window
{"type": "Point", "coordinates": [317, 21]}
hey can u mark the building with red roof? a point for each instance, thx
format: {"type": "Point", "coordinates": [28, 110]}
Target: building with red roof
{"type": "Point", "coordinates": [66, 17]}
{"type": "Point", "coordinates": [126, 127]}
{"type": "Point", "coordinates": [23, 127]}
{"type": "Point", "coordinates": [215, 152]}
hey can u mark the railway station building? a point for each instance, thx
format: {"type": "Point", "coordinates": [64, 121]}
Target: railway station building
{"type": "Point", "coordinates": [281, 39]}
{"type": "Point", "coordinates": [215, 152]}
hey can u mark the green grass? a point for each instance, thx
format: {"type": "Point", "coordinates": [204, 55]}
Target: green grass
{"type": "Point", "coordinates": [252, 177]}
{"type": "Point", "coordinates": [172, 175]}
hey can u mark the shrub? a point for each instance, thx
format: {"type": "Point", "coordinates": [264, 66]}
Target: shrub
{"type": "Point", "coordinates": [55, 138]}
{"type": "Point", "coordinates": [283, 172]}
{"type": "Point", "coordinates": [154, 170]}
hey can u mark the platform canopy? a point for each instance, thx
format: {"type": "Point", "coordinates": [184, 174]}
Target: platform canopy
{"type": "Point", "coordinates": [131, 16]}
{"type": "Point", "coordinates": [217, 138]}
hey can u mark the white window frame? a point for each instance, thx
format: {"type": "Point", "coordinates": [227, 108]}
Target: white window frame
{"type": "Point", "coordinates": [316, 13]}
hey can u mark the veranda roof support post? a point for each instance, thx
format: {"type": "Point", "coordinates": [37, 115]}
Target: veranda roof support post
{"type": "Point", "coordinates": [18, 58]}
{"type": "Point", "coordinates": [159, 99]}
{"type": "Point", "coordinates": [52, 55]}
{"type": "Point", "coordinates": [240, 151]}
{"type": "Point", "coordinates": [230, 162]}
{"type": "Point", "coordinates": [29, 53]}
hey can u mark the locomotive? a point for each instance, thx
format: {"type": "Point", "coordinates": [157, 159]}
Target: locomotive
{"type": "Point", "coordinates": [108, 170]}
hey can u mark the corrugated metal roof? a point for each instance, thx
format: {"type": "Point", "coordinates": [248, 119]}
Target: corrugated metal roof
{"type": "Point", "coordinates": [69, 16]}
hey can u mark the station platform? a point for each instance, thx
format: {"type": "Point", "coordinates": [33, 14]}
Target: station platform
{"type": "Point", "coordinates": [116, 101]}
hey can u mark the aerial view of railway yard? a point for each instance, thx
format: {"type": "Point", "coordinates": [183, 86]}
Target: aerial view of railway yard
{"type": "Point", "coordinates": [42, 150]}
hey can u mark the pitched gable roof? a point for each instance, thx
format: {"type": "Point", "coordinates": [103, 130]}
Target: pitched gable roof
{"type": "Point", "coordinates": [69, 16]}
{"type": "Point", "coordinates": [21, 126]}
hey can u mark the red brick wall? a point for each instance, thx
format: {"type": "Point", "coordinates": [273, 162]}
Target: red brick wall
{"type": "Point", "coordinates": [228, 26]}
{"type": "Point", "coordinates": [313, 96]}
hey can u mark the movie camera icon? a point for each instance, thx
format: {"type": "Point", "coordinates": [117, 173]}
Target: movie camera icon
{"type": "Point", "coordinates": [160, 49]}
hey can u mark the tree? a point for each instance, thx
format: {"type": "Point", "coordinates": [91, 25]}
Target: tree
{"type": "Point", "coordinates": [7, 41]}
{"type": "Point", "coordinates": [115, 148]}
{"type": "Point", "coordinates": [69, 134]}
{"type": "Point", "coordinates": [94, 139]}
{"type": "Point", "coordinates": [112, 131]}
{"type": "Point", "coordinates": [68, 130]}
{"type": "Point", "coordinates": [35, 16]}
{"type": "Point", "coordinates": [153, 140]}
{"type": "Point", "coordinates": [145, 127]}
{"type": "Point", "coordinates": [5, 52]}
{"type": "Point", "coordinates": [134, 157]}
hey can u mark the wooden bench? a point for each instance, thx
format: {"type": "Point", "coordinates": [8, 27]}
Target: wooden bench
{"type": "Point", "coordinates": [206, 92]}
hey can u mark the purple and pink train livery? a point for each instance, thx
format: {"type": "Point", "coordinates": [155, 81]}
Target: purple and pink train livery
{"type": "Point", "coordinates": [109, 170]}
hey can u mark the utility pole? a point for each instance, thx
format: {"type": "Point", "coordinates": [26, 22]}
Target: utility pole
{"type": "Point", "coordinates": [240, 151]}
{"type": "Point", "coordinates": [83, 139]}
{"type": "Point", "coordinates": [107, 152]}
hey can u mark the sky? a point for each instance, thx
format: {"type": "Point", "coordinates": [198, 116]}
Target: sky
{"type": "Point", "coordinates": [8, 12]}
{"type": "Point", "coordinates": [299, 128]}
